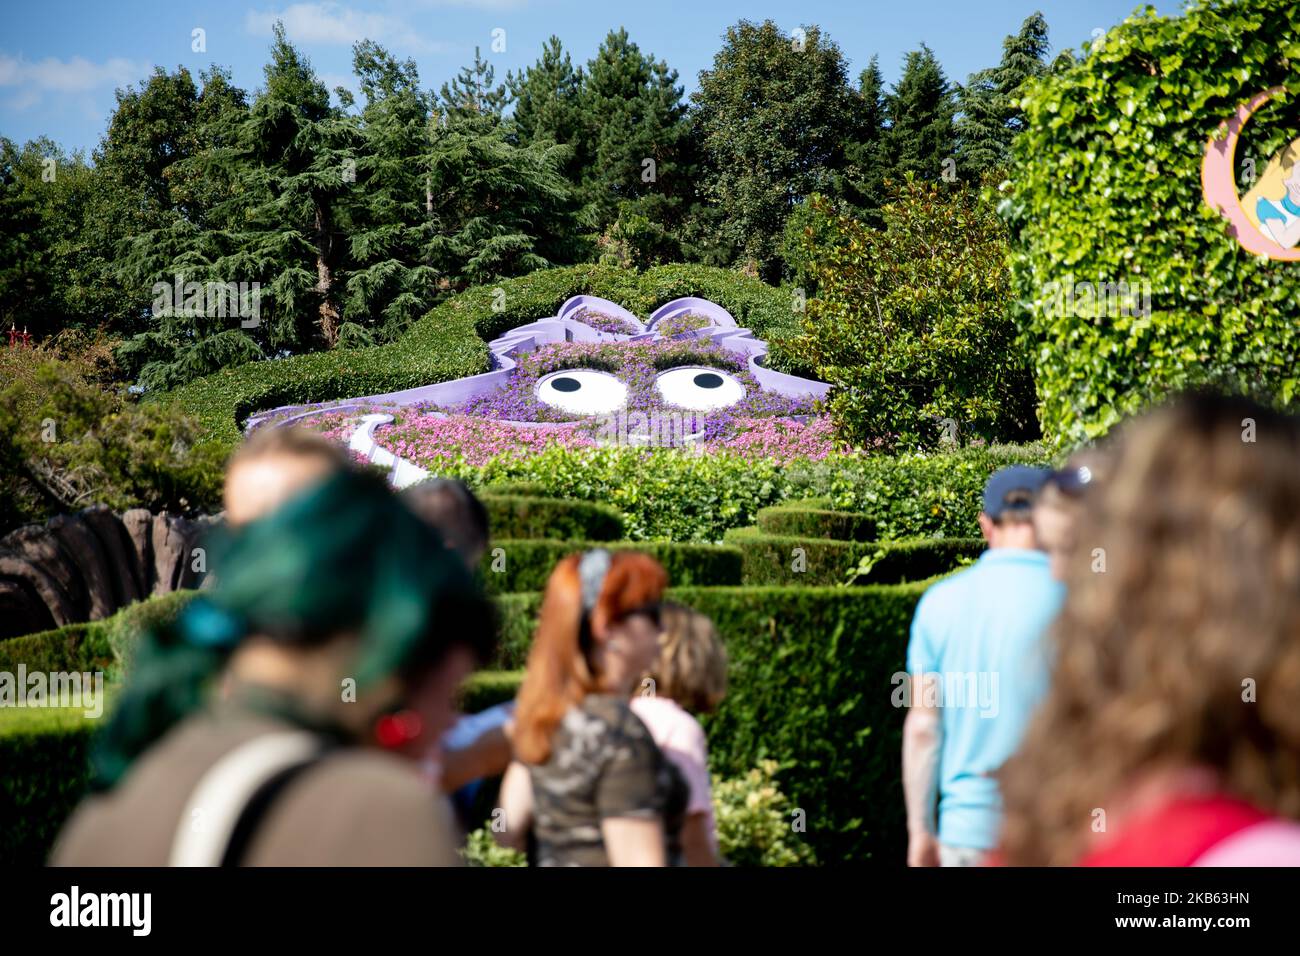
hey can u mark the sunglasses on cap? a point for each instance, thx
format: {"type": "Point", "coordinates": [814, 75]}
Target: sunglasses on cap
{"type": "Point", "coordinates": [1072, 482]}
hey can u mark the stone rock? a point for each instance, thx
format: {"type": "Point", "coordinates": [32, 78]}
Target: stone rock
{"type": "Point", "coordinates": [85, 549]}
{"type": "Point", "coordinates": [60, 609]}
{"type": "Point", "coordinates": [173, 537]}
{"type": "Point", "coordinates": [22, 610]}
{"type": "Point", "coordinates": [138, 523]}
{"type": "Point", "coordinates": [122, 564]}
{"type": "Point", "coordinates": [41, 548]}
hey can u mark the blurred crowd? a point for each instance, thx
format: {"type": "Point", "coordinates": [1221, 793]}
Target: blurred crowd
{"type": "Point", "coordinates": [1111, 683]}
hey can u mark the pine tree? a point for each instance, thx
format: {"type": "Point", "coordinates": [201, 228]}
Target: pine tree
{"type": "Point", "coordinates": [284, 230]}
{"type": "Point", "coordinates": [493, 205]}
{"type": "Point", "coordinates": [634, 136]}
{"type": "Point", "coordinates": [388, 224]}
{"type": "Point", "coordinates": [473, 92]}
{"type": "Point", "coordinates": [546, 98]}
{"type": "Point", "coordinates": [921, 108]}
{"type": "Point", "coordinates": [991, 116]}
{"type": "Point", "coordinates": [862, 183]}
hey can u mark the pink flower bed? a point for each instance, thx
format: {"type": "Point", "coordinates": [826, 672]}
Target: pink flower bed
{"type": "Point", "coordinates": [778, 439]}
{"type": "Point", "coordinates": [430, 441]}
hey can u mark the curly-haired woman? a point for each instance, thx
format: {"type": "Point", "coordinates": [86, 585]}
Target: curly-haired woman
{"type": "Point", "coordinates": [1171, 734]}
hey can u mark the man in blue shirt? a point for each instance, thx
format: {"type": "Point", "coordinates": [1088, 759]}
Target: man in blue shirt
{"type": "Point", "coordinates": [978, 666]}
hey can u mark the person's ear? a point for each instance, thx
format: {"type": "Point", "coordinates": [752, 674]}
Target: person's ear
{"type": "Point", "coordinates": [987, 527]}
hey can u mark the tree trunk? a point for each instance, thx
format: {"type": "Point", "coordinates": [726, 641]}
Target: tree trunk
{"type": "Point", "coordinates": [329, 313]}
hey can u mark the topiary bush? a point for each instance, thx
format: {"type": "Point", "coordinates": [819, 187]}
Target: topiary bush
{"type": "Point", "coordinates": [519, 516]}
{"type": "Point", "coordinates": [486, 689]}
{"type": "Point", "coordinates": [803, 520]}
{"type": "Point", "coordinates": [813, 561]}
{"type": "Point", "coordinates": [810, 677]}
{"type": "Point", "coordinates": [1106, 189]}
{"type": "Point", "coordinates": [525, 564]}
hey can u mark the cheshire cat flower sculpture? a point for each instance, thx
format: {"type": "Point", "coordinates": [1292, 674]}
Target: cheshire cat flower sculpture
{"type": "Point", "coordinates": [594, 374]}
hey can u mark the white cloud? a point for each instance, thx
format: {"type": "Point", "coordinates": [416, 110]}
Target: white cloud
{"type": "Point", "coordinates": [332, 23]}
{"type": "Point", "coordinates": [32, 80]}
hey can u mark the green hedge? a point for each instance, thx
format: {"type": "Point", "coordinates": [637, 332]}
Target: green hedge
{"type": "Point", "coordinates": [809, 561]}
{"type": "Point", "coordinates": [450, 341]}
{"type": "Point", "coordinates": [489, 688]}
{"type": "Point", "coordinates": [520, 516]}
{"type": "Point", "coordinates": [45, 775]}
{"type": "Point", "coordinates": [809, 686]}
{"type": "Point", "coordinates": [526, 564]}
{"type": "Point", "coordinates": [682, 497]}
{"type": "Point", "coordinates": [805, 520]}
{"type": "Point", "coordinates": [528, 489]}
{"type": "Point", "coordinates": [92, 645]}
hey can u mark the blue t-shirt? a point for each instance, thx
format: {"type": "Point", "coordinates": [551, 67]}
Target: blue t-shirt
{"type": "Point", "coordinates": [983, 632]}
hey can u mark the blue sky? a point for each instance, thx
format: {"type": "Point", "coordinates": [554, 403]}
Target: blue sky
{"type": "Point", "coordinates": [61, 61]}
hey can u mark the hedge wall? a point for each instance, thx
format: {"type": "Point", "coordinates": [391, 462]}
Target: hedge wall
{"type": "Point", "coordinates": [527, 516]}
{"type": "Point", "coordinates": [45, 775]}
{"type": "Point", "coordinates": [682, 497]}
{"type": "Point", "coordinates": [92, 645]}
{"type": "Point", "coordinates": [809, 561]}
{"type": "Point", "coordinates": [1107, 189]}
{"type": "Point", "coordinates": [450, 341]}
{"type": "Point", "coordinates": [810, 683]}
{"type": "Point", "coordinates": [804, 520]}
{"type": "Point", "coordinates": [526, 564]}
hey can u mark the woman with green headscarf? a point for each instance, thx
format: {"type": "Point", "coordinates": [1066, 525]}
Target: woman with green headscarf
{"type": "Point", "coordinates": [268, 724]}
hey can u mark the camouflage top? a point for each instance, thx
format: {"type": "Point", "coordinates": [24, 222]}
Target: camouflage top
{"type": "Point", "coordinates": [604, 763]}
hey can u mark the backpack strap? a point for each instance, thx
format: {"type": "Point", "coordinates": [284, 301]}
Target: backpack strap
{"type": "Point", "coordinates": [230, 799]}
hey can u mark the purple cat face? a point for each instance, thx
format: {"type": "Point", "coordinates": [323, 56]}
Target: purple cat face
{"type": "Point", "coordinates": [681, 377]}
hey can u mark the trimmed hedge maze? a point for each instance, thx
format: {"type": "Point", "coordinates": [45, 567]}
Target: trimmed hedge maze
{"type": "Point", "coordinates": [813, 664]}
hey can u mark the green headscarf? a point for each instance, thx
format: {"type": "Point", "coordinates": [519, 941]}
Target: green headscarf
{"type": "Point", "coordinates": [344, 556]}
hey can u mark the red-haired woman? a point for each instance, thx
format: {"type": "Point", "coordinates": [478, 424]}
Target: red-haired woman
{"type": "Point", "coordinates": [603, 793]}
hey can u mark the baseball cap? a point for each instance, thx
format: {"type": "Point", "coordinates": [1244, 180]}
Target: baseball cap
{"type": "Point", "coordinates": [1022, 478]}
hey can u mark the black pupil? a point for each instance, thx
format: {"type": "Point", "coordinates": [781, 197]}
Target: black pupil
{"type": "Point", "coordinates": [708, 380]}
{"type": "Point", "coordinates": [565, 384]}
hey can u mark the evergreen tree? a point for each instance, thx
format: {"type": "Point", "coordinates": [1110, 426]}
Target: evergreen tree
{"type": "Point", "coordinates": [991, 116]}
{"type": "Point", "coordinates": [473, 92]}
{"type": "Point", "coordinates": [494, 206]}
{"type": "Point", "coordinates": [290, 170]}
{"type": "Point", "coordinates": [862, 184]}
{"type": "Point", "coordinates": [388, 222]}
{"type": "Point", "coordinates": [634, 137]}
{"type": "Point", "coordinates": [546, 99]}
{"type": "Point", "coordinates": [921, 108]}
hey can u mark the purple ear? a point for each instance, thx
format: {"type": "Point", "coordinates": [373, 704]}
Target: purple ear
{"type": "Point", "coordinates": [584, 313]}
{"type": "Point", "coordinates": [692, 305]}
